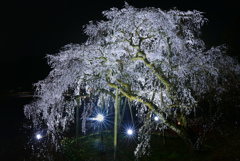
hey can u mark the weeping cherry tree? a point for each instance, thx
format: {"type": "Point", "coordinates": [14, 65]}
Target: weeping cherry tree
{"type": "Point", "coordinates": [154, 58]}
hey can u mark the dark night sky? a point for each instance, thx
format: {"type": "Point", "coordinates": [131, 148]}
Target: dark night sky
{"type": "Point", "coordinates": [31, 29]}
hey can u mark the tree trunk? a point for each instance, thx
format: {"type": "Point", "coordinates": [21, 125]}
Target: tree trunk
{"type": "Point", "coordinates": [190, 139]}
{"type": "Point", "coordinates": [186, 133]}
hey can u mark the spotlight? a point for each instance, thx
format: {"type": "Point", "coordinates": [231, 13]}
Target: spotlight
{"type": "Point", "coordinates": [100, 117]}
{"type": "Point", "coordinates": [38, 136]}
{"type": "Point", "coordinates": [156, 118]}
{"type": "Point", "coordinates": [129, 132]}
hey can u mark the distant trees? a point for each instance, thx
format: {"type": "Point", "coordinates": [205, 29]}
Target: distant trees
{"type": "Point", "coordinates": [154, 58]}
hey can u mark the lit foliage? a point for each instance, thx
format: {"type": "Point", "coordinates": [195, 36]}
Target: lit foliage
{"type": "Point", "coordinates": [155, 58]}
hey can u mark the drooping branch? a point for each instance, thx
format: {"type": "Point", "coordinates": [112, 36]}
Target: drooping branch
{"type": "Point", "coordinates": [161, 114]}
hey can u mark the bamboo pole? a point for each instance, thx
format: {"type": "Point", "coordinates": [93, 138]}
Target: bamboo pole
{"type": "Point", "coordinates": [77, 118]}
{"type": "Point", "coordinates": [130, 107]}
{"type": "Point", "coordinates": [115, 124]}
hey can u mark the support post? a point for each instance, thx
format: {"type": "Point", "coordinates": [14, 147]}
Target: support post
{"type": "Point", "coordinates": [77, 118]}
{"type": "Point", "coordinates": [115, 124]}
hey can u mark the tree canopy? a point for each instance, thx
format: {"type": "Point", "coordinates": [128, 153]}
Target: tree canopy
{"type": "Point", "coordinates": [154, 58]}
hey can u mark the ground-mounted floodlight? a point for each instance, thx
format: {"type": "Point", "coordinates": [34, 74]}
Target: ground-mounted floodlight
{"type": "Point", "coordinates": [156, 118]}
{"type": "Point", "coordinates": [100, 121]}
{"type": "Point", "coordinates": [38, 136]}
{"type": "Point", "coordinates": [129, 131]}
{"type": "Point", "coordinates": [100, 118]}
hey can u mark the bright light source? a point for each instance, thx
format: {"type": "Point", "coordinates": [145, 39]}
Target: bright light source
{"type": "Point", "coordinates": [129, 132]}
{"type": "Point", "coordinates": [156, 118]}
{"type": "Point", "coordinates": [38, 136]}
{"type": "Point", "coordinates": [100, 117]}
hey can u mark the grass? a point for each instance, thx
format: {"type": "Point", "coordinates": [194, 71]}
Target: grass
{"type": "Point", "coordinates": [220, 147]}
{"type": "Point", "coordinates": [88, 148]}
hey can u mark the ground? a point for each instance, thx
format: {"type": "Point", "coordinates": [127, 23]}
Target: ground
{"type": "Point", "coordinates": [218, 147]}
